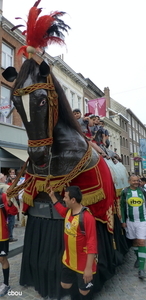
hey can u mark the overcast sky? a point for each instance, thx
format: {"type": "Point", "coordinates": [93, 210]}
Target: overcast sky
{"type": "Point", "coordinates": [106, 43]}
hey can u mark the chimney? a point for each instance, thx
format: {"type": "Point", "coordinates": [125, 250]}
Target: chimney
{"type": "Point", "coordinates": [107, 97]}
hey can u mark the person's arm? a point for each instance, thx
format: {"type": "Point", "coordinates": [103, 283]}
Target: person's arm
{"type": "Point", "coordinates": [123, 209]}
{"type": "Point", "coordinates": [9, 206]}
{"type": "Point", "coordinates": [88, 275]}
{"type": "Point", "coordinates": [91, 237]}
{"type": "Point", "coordinates": [58, 206]}
{"type": "Point", "coordinates": [104, 139]}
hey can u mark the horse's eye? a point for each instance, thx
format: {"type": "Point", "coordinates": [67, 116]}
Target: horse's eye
{"type": "Point", "coordinates": [43, 102]}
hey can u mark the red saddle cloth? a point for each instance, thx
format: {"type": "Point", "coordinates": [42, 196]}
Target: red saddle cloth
{"type": "Point", "coordinates": [97, 189]}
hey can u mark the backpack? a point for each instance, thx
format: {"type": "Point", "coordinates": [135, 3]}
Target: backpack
{"type": "Point", "coordinates": [81, 219]}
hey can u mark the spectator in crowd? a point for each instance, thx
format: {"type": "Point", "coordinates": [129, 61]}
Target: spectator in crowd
{"type": "Point", "coordinates": [87, 124]}
{"type": "Point", "coordinates": [6, 207]}
{"type": "Point", "coordinates": [77, 262]}
{"type": "Point", "coordinates": [11, 218]}
{"type": "Point", "coordinates": [143, 183]}
{"type": "Point", "coordinates": [96, 126]}
{"type": "Point", "coordinates": [133, 212]}
{"type": "Point", "coordinates": [3, 185]}
{"type": "Point", "coordinates": [107, 142]}
{"type": "Point", "coordinates": [84, 122]}
{"type": "Point", "coordinates": [11, 176]}
{"type": "Point", "coordinates": [77, 113]}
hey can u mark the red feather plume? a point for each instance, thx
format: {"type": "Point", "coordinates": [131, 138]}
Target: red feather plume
{"type": "Point", "coordinates": [44, 30]}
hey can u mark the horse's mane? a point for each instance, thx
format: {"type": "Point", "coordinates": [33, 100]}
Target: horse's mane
{"type": "Point", "coordinates": [65, 113]}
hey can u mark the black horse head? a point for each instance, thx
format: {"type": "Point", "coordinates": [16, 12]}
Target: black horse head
{"type": "Point", "coordinates": [33, 108]}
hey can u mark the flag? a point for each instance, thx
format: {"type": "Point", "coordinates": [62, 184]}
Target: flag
{"type": "Point", "coordinates": [97, 107]}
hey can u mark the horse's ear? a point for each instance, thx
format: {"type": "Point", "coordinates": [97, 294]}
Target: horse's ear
{"type": "Point", "coordinates": [10, 74]}
{"type": "Point", "coordinates": [44, 69]}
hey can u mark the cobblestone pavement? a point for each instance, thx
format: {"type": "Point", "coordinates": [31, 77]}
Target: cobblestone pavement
{"type": "Point", "coordinates": [125, 285]}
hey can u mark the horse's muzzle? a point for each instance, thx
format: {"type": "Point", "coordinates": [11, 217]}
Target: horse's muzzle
{"type": "Point", "coordinates": [39, 155]}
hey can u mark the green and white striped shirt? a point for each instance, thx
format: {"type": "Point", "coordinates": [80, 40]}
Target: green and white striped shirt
{"type": "Point", "coordinates": [133, 205]}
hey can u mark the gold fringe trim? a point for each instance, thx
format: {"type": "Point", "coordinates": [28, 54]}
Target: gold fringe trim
{"type": "Point", "coordinates": [28, 199]}
{"type": "Point", "coordinates": [93, 197]}
{"type": "Point", "coordinates": [118, 192]}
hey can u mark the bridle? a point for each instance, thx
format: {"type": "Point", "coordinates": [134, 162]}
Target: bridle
{"type": "Point", "coordinates": [52, 109]}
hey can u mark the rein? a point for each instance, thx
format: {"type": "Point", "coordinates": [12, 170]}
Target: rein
{"type": "Point", "coordinates": [78, 169]}
{"type": "Point", "coordinates": [52, 108]}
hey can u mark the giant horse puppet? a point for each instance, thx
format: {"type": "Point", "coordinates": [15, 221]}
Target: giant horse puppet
{"type": "Point", "coordinates": [59, 155]}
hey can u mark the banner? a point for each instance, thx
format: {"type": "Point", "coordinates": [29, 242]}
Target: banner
{"type": "Point", "coordinates": [142, 152]}
{"type": "Point", "coordinates": [97, 107]}
{"type": "Point", "coordinates": [6, 107]}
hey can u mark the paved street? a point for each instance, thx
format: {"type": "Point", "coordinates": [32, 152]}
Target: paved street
{"type": "Point", "coordinates": [125, 285]}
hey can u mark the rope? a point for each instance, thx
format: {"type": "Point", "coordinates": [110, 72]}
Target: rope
{"type": "Point", "coordinates": [75, 172]}
{"type": "Point", "coordinates": [42, 142]}
{"type": "Point", "coordinates": [79, 168]}
{"type": "Point", "coordinates": [31, 88]}
{"type": "Point", "coordinates": [19, 188]}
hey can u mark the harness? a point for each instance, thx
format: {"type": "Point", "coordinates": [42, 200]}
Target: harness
{"type": "Point", "coordinates": [52, 107]}
{"type": "Point", "coordinates": [53, 118]}
{"type": "Point", "coordinates": [81, 219]}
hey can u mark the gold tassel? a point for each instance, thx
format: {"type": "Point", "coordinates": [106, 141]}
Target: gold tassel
{"type": "Point", "coordinates": [28, 199]}
{"type": "Point", "coordinates": [118, 192]}
{"type": "Point", "coordinates": [93, 197]}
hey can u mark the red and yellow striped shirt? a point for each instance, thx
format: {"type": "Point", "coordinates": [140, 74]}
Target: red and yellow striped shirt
{"type": "Point", "coordinates": [77, 244]}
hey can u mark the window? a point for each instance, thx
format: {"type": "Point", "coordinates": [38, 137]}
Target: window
{"type": "Point", "coordinates": [133, 123]}
{"type": "Point", "coordinates": [7, 56]}
{"type": "Point", "coordinates": [125, 127]}
{"type": "Point", "coordinates": [122, 123]}
{"type": "Point", "coordinates": [79, 102]}
{"type": "Point", "coordinates": [136, 125]}
{"type": "Point", "coordinates": [120, 140]}
{"type": "Point", "coordinates": [128, 160]}
{"type": "Point", "coordinates": [129, 118]}
{"type": "Point", "coordinates": [135, 148]}
{"type": "Point", "coordinates": [86, 104]}
{"type": "Point", "coordinates": [134, 135]}
{"type": "Point", "coordinates": [5, 96]}
{"type": "Point", "coordinates": [126, 144]}
{"type": "Point", "coordinates": [72, 99]}
{"type": "Point", "coordinates": [137, 138]}
{"type": "Point", "coordinates": [130, 135]}
{"type": "Point", "coordinates": [123, 142]}
{"type": "Point", "coordinates": [131, 148]}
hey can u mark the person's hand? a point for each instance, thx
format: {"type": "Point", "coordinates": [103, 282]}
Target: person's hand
{"type": "Point", "coordinates": [51, 193]}
{"type": "Point", "coordinates": [87, 276]}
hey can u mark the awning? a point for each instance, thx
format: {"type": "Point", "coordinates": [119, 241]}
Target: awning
{"type": "Point", "coordinates": [21, 154]}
